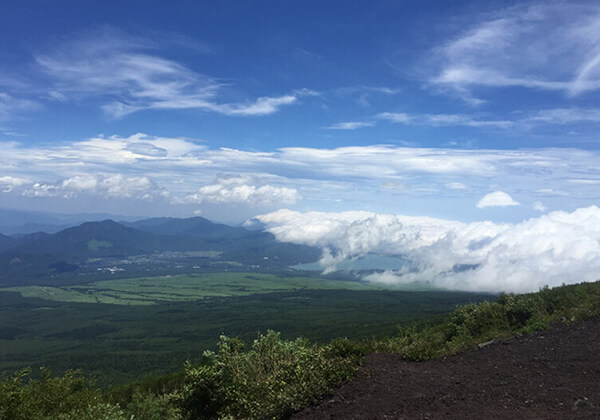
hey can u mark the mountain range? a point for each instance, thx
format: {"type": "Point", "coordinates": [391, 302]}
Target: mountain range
{"type": "Point", "coordinates": [40, 254]}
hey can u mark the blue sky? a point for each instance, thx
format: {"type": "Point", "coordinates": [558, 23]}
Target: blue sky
{"type": "Point", "coordinates": [231, 110]}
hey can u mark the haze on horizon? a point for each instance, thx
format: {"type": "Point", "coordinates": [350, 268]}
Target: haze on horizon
{"type": "Point", "coordinates": [460, 135]}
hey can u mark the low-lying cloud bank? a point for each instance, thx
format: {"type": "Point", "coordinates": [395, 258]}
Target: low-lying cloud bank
{"type": "Point", "coordinates": [552, 249]}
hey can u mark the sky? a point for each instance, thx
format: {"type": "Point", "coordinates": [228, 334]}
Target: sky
{"type": "Point", "coordinates": [466, 113]}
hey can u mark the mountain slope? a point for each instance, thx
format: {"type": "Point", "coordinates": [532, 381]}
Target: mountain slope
{"type": "Point", "coordinates": [194, 226]}
{"type": "Point", "coordinates": [545, 375]}
{"type": "Point", "coordinates": [6, 242]}
{"type": "Point", "coordinates": [109, 238]}
{"type": "Point", "coordinates": [106, 238]}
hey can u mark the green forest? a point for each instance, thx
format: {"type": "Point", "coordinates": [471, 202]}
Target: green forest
{"type": "Point", "coordinates": [274, 375]}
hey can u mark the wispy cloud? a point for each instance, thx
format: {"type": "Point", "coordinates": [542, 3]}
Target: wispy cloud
{"type": "Point", "coordinates": [350, 125]}
{"type": "Point", "coordinates": [130, 76]}
{"type": "Point", "coordinates": [188, 171]}
{"type": "Point", "coordinates": [544, 46]}
{"type": "Point", "coordinates": [442, 120]}
{"type": "Point", "coordinates": [566, 116]}
{"type": "Point", "coordinates": [515, 120]}
{"type": "Point", "coordinates": [11, 107]}
{"type": "Point", "coordinates": [363, 94]}
{"type": "Point", "coordinates": [384, 90]}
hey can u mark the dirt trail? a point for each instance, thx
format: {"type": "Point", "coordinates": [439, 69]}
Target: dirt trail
{"type": "Point", "coordinates": [548, 375]}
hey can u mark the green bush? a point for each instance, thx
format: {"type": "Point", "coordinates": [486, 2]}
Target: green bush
{"type": "Point", "coordinates": [472, 323]}
{"type": "Point", "coordinates": [272, 379]}
{"type": "Point", "coordinates": [30, 399]}
{"type": "Point", "coordinates": [476, 321]}
{"type": "Point", "coordinates": [519, 309]}
{"type": "Point", "coordinates": [148, 406]}
{"type": "Point", "coordinates": [100, 411]}
{"type": "Point", "coordinates": [149, 398]}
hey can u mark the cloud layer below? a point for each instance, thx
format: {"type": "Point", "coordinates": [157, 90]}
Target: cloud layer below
{"type": "Point", "coordinates": [552, 249]}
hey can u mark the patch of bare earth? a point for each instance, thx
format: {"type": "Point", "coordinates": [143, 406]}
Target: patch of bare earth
{"type": "Point", "coordinates": [553, 374]}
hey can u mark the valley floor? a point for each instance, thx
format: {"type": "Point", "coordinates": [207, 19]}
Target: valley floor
{"type": "Point", "coordinates": [549, 374]}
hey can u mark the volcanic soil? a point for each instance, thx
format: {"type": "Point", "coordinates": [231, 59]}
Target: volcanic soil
{"type": "Point", "coordinates": [553, 374]}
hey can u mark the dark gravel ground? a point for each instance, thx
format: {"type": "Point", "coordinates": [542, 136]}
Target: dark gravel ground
{"type": "Point", "coordinates": [552, 374]}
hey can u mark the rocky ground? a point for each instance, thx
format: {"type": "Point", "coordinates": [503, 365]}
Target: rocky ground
{"type": "Point", "coordinates": [553, 374]}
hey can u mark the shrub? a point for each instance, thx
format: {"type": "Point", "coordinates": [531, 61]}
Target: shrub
{"type": "Point", "coordinates": [29, 399]}
{"type": "Point", "coordinates": [272, 379]}
{"type": "Point", "coordinates": [148, 406]}
{"type": "Point", "coordinates": [100, 411]}
{"type": "Point", "coordinates": [476, 321]}
{"type": "Point", "coordinates": [519, 309]}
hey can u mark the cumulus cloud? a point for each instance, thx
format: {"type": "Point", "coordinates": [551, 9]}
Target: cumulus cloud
{"type": "Point", "coordinates": [8, 183]}
{"type": "Point", "coordinates": [496, 199]}
{"type": "Point", "coordinates": [42, 190]}
{"type": "Point", "coordinates": [552, 249]}
{"type": "Point", "coordinates": [109, 186]}
{"type": "Point", "coordinates": [242, 189]}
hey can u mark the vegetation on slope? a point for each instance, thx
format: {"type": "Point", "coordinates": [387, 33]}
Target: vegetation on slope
{"type": "Point", "coordinates": [275, 377]}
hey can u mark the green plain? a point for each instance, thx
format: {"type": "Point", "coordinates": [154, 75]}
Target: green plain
{"type": "Point", "coordinates": [152, 290]}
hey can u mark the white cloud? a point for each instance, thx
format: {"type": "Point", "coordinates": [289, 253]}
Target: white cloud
{"type": "Point", "coordinates": [351, 90]}
{"type": "Point", "coordinates": [552, 249]}
{"type": "Point", "coordinates": [127, 187]}
{"type": "Point", "coordinates": [539, 206]}
{"type": "Point", "coordinates": [109, 186]}
{"type": "Point", "coordinates": [442, 120]}
{"type": "Point", "coordinates": [397, 117]}
{"type": "Point", "coordinates": [356, 176]}
{"type": "Point", "coordinates": [457, 186]}
{"type": "Point", "coordinates": [262, 106]}
{"type": "Point", "coordinates": [41, 190]}
{"type": "Point", "coordinates": [11, 106]}
{"type": "Point", "coordinates": [586, 181]}
{"type": "Point", "coordinates": [496, 199]}
{"type": "Point", "coordinates": [111, 64]}
{"type": "Point", "coordinates": [553, 116]}
{"type": "Point", "coordinates": [544, 46]}
{"type": "Point", "coordinates": [242, 189]}
{"type": "Point", "coordinates": [350, 125]}
{"type": "Point", "coordinates": [566, 116]}
{"type": "Point", "coordinates": [8, 183]}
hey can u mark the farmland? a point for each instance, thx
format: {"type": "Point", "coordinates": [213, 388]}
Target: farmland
{"type": "Point", "coordinates": [152, 290]}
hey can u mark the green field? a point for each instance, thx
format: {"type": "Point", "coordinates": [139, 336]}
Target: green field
{"type": "Point", "coordinates": [152, 290]}
{"type": "Point", "coordinates": [152, 325]}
